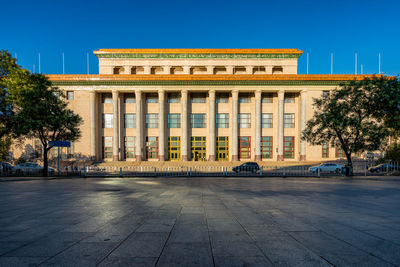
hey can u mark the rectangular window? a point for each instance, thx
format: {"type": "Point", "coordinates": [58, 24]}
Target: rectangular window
{"type": "Point", "coordinates": [151, 98]}
{"type": "Point", "coordinates": [288, 147]}
{"type": "Point", "coordinates": [174, 97]}
{"type": "Point", "coordinates": [325, 150]}
{"type": "Point", "coordinates": [174, 147]}
{"type": "Point", "coordinates": [129, 98]}
{"type": "Point", "coordinates": [107, 147]}
{"type": "Point", "coordinates": [244, 147]}
{"type": "Point", "coordinates": [198, 120]}
{"type": "Point", "coordinates": [244, 98]}
{"type": "Point", "coordinates": [130, 147]}
{"type": "Point", "coordinates": [266, 120]}
{"type": "Point", "coordinates": [244, 120]}
{"type": "Point", "coordinates": [222, 98]}
{"type": "Point", "coordinates": [266, 147]}
{"type": "Point", "coordinates": [174, 120]}
{"type": "Point", "coordinates": [151, 147]}
{"type": "Point", "coordinates": [107, 120]}
{"type": "Point", "coordinates": [70, 95]}
{"type": "Point", "coordinates": [222, 148]}
{"type": "Point", "coordinates": [222, 120]}
{"type": "Point", "coordinates": [106, 98]}
{"type": "Point", "coordinates": [289, 98]}
{"type": "Point", "coordinates": [339, 151]}
{"type": "Point", "coordinates": [198, 98]}
{"type": "Point", "coordinates": [152, 120]}
{"type": "Point", "coordinates": [267, 98]}
{"type": "Point", "coordinates": [130, 120]}
{"type": "Point", "coordinates": [288, 120]}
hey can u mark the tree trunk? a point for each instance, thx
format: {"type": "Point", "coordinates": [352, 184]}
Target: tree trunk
{"type": "Point", "coordinates": [45, 163]}
{"type": "Point", "coordinates": [349, 167]}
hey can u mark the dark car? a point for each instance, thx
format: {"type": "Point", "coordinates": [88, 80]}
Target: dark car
{"type": "Point", "coordinates": [6, 167]}
{"type": "Point", "coordinates": [384, 167]}
{"type": "Point", "coordinates": [247, 167]}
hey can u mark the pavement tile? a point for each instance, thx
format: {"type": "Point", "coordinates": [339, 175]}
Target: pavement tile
{"type": "Point", "coordinates": [242, 261]}
{"type": "Point", "coordinates": [234, 249]}
{"type": "Point", "coordinates": [186, 254]}
{"type": "Point", "coordinates": [20, 261]}
{"type": "Point", "coordinates": [128, 261]}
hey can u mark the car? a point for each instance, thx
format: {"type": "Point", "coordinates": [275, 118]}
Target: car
{"type": "Point", "coordinates": [5, 167]}
{"type": "Point", "coordinates": [383, 167]}
{"type": "Point", "coordinates": [30, 168]}
{"type": "Point", "coordinates": [247, 167]}
{"type": "Point", "coordinates": [326, 167]}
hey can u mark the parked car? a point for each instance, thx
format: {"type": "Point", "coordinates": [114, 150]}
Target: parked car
{"type": "Point", "coordinates": [326, 167]}
{"type": "Point", "coordinates": [384, 167]}
{"type": "Point", "coordinates": [30, 168]}
{"type": "Point", "coordinates": [247, 167]}
{"type": "Point", "coordinates": [5, 167]}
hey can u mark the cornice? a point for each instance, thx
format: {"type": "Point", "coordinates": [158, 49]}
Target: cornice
{"type": "Point", "coordinates": [196, 56]}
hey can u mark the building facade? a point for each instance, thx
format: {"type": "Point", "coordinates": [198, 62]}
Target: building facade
{"type": "Point", "coordinates": [197, 104]}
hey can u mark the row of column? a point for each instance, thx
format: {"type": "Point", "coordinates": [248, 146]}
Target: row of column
{"type": "Point", "coordinates": [185, 127]}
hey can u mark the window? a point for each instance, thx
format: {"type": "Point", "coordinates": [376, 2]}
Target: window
{"type": "Point", "coordinates": [117, 70]}
{"type": "Point", "coordinates": [107, 147]}
{"type": "Point", "coordinates": [198, 148]}
{"type": "Point", "coordinates": [339, 151]}
{"type": "Point", "coordinates": [222, 98]}
{"type": "Point", "coordinates": [130, 147]}
{"type": "Point", "coordinates": [244, 120]}
{"type": "Point", "coordinates": [70, 95]}
{"type": "Point", "coordinates": [198, 98]}
{"type": "Point", "coordinates": [266, 147]}
{"type": "Point", "coordinates": [38, 148]}
{"type": "Point", "coordinates": [198, 120]}
{"type": "Point", "coordinates": [151, 98]}
{"type": "Point", "coordinates": [244, 147]}
{"type": "Point", "coordinates": [152, 147]}
{"type": "Point", "coordinates": [107, 120]}
{"type": "Point", "coordinates": [152, 120]}
{"type": "Point", "coordinates": [325, 94]}
{"type": "Point", "coordinates": [222, 120]}
{"type": "Point", "coordinates": [266, 120]}
{"type": "Point", "coordinates": [222, 148]}
{"type": "Point", "coordinates": [289, 98]}
{"type": "Point", "coordinates": [174, 147]}
{"type": "Point", "coordinates": [106, 98]}
{"type": "Point", "coordinates": [129, 98]}
{"type": "Point", "coordinates": [130, 120]}
{"type": "Point", "coordinates": [325, 150]}
{"type": "Point", "coordinates": [244, 98]}
{"type": "Point", "coordinates": [174, 97]}
{"type": "Point", "coordinates": [288, 120]}
{"type": "Point", "coordinates": [288, 147]}
{"type": "Point", "coordinates": [267, 98]}
{"type": "Point", "coordinates": [277, 70]}
{"type": "Point", "coordinates": [174, 120]}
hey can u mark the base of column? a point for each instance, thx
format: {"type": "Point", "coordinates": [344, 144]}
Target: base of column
{"type": "Point", "coordinates": [161, 158]}
{"type": "Point", "coordinates": [280, 158]}
{"type": "Point", "coordinates": [302, 157]}
{"type": "Point", "coordinates": [257, 157]}
{"type": "Point", "coordinates": [115, 158]}
{"type": "Point", "coordinates": [138, 158]}
{"type": "Point", "coordinates": [211, 158]}
{"type": "Point", "coordinates": [93, 158]}
{"type": "Point", "coordinates": [184, 158]}
{"type": "Point", "coordinates": [235, 158]}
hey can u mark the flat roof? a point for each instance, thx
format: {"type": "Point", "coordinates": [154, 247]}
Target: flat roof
{"type": "Point", "coordinates": [199, 51]}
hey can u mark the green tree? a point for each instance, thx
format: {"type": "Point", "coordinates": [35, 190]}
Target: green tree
{"type": "Point", "coordinates": [40, 111]}
{"type": "Point", "coordinates": [345, 118]}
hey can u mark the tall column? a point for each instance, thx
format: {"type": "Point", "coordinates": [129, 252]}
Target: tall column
{"type": "Point", "coordinates": [210, 69]}
{"type": "Point", "coordinates": [249, 69]}
{"type": "Point", "coordinates": [211, 127]}
{"type": "Point", "coordinates": [139, 126]}
{"type": "Point", "coordinates": [229, 70]}
{"type": "Point", "coordinates": [167, 70]}
{"type": "Point", "coordinates": [258, 126]}
{"type": "Point", "coordinates": [281, 96]}
{"type": "Point", "coordinates": [115, 126]}
{"type": "Point", "coordinates": [186, 69]}
{"type": "Point", "coordinates": [235, 137]}
{"type": "Point", "coordinates": [185, 128]}
{"type": "Point", "coordinates": [161, 129]}
{"type": "Point", "coordinates": [92, 100]}
{"type": "Point", "coordinates": [127, 69]}
{"type": "Point", "coordinates": [146, 69]}
{"type": "Point", "coordinates": [303, 124]}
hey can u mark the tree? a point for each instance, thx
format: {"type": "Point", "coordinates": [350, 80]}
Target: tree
{"type": "Point", "coordinates": [346, 117]}
{"type": "Point", "coordinates": [40, 111]}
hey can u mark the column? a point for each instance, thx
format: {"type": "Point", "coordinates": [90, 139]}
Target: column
{"type": "Point", "coordinates": [211, 126]}
{"type": "Point", "coordinates": [139, 126]}
{"type": "Point", "coordinates": [249, 69]}
{"type": "Point", "coordinates": [210, 69]}
{"type": "Point", "coordinates": [229, 70]}
{"type": "Point", "coordinates": [115, 126]}
{"type": "Point", "coordinates": [184, 115]}
{"type": "Point", "coordinates": [167, 70]}
{"type": "Point", "coordinates": [186, 69]}
{"type": "Point", "coordinates": [281, 95]}
{"type": "Point", "coordinates": [147, 69]}
{"type": "Point", "coordinates": [127, 69]}
{"type": "Point", "coordinates": [235, 137]}
{"type": "Point", "coordinates": [161, 126]}
{"type": "Point", "coordinates": [258, 126]}
{"type": "Point", "coordinates": [92, 100]}
{"type": "Point", "coordinates": [303, 96]}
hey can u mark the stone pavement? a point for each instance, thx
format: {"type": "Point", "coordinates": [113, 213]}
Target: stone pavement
{"type": "Point", "coordinates": [200, 222]}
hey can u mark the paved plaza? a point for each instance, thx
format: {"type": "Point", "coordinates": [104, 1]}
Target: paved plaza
{"type": "Point", "coordinates": [200, 222]}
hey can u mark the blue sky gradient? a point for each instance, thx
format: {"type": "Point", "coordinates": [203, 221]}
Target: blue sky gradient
{"type": "Point", "coordinates": [317, 27]}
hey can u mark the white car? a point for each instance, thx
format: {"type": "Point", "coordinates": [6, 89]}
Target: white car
{"type": "Point", "coordinates": [327, 167]}
{"type": "Point", "coordinates": [30, 168]}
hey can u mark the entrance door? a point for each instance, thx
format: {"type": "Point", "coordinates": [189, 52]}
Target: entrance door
{"type": "Point", "coordinates": [222, 148]}
{"type": "Point", "coordinates": [174, 148]}
{"type": "Point", "coordinates": [198, 148]}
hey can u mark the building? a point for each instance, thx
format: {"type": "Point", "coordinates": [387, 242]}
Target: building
{"type": "Point", "coordinates": [197, 104]}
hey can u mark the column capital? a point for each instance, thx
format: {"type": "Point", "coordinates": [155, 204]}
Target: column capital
{"type": "Point", "coordinates": [281, 94]}
{"type": "Point", "coordinates": [257, 94]}
{"type": "Point", "coordinates": [235, 92]}
{"type": "Point", "coordinates": [212, 91]}
{"type": "Point", "coordinates": [303, 92]}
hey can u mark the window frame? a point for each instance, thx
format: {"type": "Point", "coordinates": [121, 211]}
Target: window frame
{"type": "Point", "coordinates": [244, 150]}
{"type": "Point", "coordinates": [243, 122]}
{"type": "Point", "coordinates": [266, 122]}
{"type": "Point", "coordinates": [131, 148]}
{"type": "Point", "coordinates": [107, 150]}
{"type": "Point", "coordinates": [132, 119]}
{"type": "Point", "coordinates": [289, 122]}
{"type": "Point", "coordinates": [105, 122]}
{"type": "Point", "coordinates": [291, 147]}
{"type": "Point", "coordinates": [172, 124]}
{"type": "Point", "coordinates": [267, 147]}
{"type": "Point", "coordinates": [152, 149]}
{"type": "Point", "coordinates": [149, 123]}
{"type": "Point", "coordinates": [222, 120]}
{"type": "Point", "coordinates": [198, 125]}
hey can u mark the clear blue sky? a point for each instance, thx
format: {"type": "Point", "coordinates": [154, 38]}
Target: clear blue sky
{"type": "Point", "coordinates": [318, 27]}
